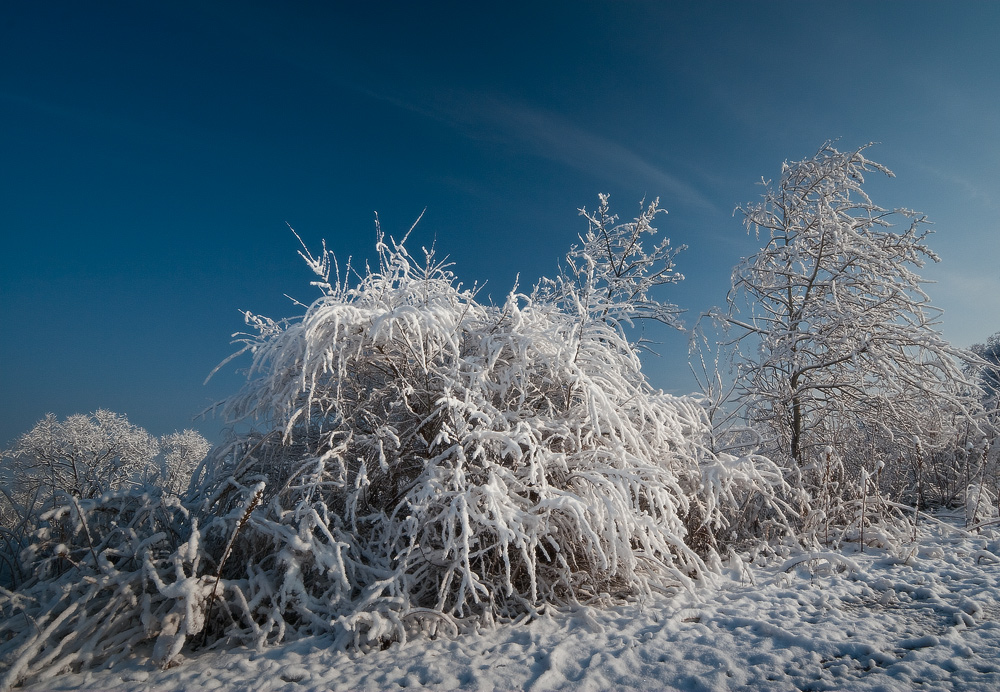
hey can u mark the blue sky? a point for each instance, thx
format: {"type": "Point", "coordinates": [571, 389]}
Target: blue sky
{"type": "Point", "coordinates": [152, 154]}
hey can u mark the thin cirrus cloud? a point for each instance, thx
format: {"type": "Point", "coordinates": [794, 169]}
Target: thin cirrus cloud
{"type": "Point", "coordinates": [526, 128]}
{"type": "Point", "coordinates": [969, 187]}
{"type": "Point", "coordinates": [559, 140]}
{"type": "Point", "coordinates": [550, 136]}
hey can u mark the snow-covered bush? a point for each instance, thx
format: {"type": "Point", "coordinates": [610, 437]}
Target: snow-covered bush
{"type": "Point", "coordinates": [433, 454]}
{"type": "Point", "coordinates": [107, 574]}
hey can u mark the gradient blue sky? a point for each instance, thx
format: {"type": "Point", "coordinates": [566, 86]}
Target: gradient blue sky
{"type": "Point", "coordinates": [152, 153]}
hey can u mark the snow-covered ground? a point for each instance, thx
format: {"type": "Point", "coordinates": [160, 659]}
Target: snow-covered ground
{"type": "Point", "coordinates": [926, 616]}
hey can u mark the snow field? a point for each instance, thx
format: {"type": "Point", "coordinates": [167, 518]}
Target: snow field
{"type": "Point", "coordinates": [923, 616]}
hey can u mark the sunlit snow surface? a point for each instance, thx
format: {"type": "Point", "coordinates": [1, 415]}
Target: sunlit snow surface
{"type": "Point", "coordinates": [924, 616]}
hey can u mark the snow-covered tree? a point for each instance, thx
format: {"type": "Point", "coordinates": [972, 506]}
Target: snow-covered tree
{"type": "Point", "coordinates": [838, 341]}
{"type": "Point", "coordinates": [84, 455]}
{"type": "Point", "coordinates": [610, 276]}
{"type": "Point", "coordinates": [182, 453]}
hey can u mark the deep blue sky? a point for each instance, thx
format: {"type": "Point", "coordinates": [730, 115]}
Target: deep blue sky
{"type": "Point", "coordinates": [152, 153]}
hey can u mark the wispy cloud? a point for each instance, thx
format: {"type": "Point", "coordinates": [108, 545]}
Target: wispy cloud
{"type": "Point", "coordinates": [548, 135]}
{"type": "Point", "coordinates": [556, 138]}
{"type": "Point", "coordinates": [522, 127]}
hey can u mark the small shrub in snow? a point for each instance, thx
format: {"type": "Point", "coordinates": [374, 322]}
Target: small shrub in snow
{"type": "Point", "coordinates": [107, 574]}
{"type": "Point", "coordinates": [980, 504]}
{"type": "Point", "coordinates": [441, 455]}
